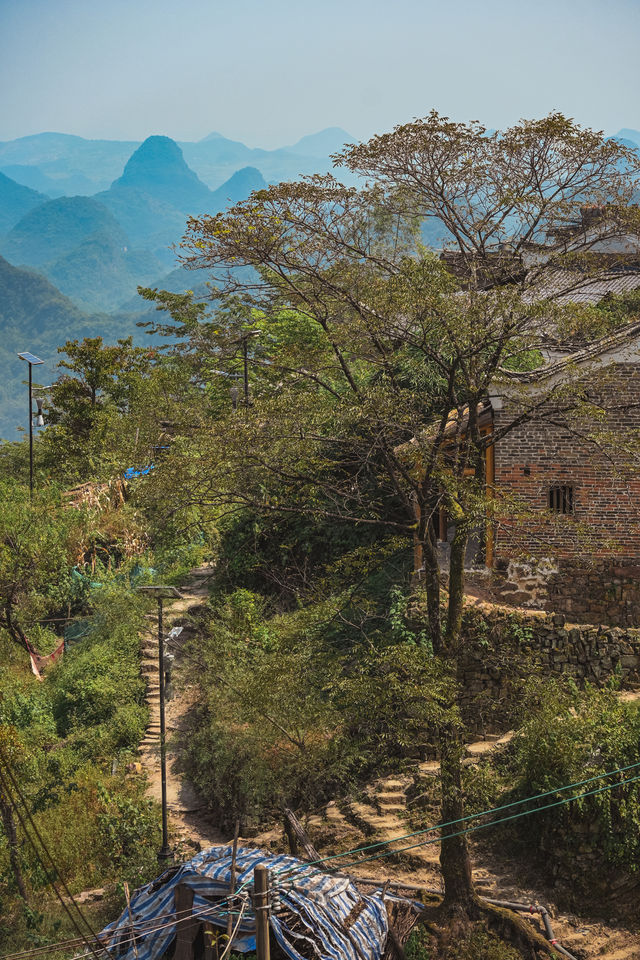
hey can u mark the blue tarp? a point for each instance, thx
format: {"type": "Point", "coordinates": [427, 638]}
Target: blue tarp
{"type": "Point", "coordinates": [308, 915]}
{"type": "Point", "coordinates": [131, 472]}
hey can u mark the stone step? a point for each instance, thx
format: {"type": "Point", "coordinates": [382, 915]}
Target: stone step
{"type": "Point", "coordinates": [629, 952]}
{"type": "Point", "coordinates": [391, 796]}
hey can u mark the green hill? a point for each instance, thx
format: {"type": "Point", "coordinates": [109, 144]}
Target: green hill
{"type": "Point", "coordinates": [15, 201]}
{"type": "Point", "coordinates": [101, 273]}
{"type": "Point", "coordinates": [53, 229]}
{"type": "Point", "coordinates": [80, 246]}
{"type": "Point", "coordinates": [36, 316]}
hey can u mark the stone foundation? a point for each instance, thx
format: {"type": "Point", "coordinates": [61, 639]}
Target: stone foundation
{"type": "Point", "coordinates": [604, 591]}
{"type": "Point", "coordinates": [504, 649]}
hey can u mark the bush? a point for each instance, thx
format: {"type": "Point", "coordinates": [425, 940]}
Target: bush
{"type": "Point", "coordinates": [287, 716]}
{"type": "Point", "coordinates": [573, 737]}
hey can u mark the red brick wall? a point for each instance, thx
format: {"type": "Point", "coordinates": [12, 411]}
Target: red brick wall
{"type": "Point", "coordinates": [598, 548]}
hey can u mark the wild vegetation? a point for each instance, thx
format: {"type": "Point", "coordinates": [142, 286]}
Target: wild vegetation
{"type": "Point", "coordinates": [298, 433]}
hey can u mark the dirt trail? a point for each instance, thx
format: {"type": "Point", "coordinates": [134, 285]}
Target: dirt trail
{"type": "Point", "coordinates": [187, 816]}
{"type": "Point", "coordinates": [379, 814]}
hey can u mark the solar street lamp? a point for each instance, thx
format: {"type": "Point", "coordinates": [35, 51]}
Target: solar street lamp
{"type": "Point", "coordinates": [39, 416]}
{"type": "Point", "coordinates": [244, 340]}
{"type": "Point", "coordinates": [32, 361]}
{"type": "Point", "coordinates": [160, 593]}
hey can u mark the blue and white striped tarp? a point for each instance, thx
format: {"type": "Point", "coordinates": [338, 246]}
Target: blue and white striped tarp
{"type": "Point", "coordinates": [308, 915]}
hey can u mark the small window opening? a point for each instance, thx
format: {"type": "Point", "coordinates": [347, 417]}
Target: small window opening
{"type": "Point", "coordinates": [561, 499]}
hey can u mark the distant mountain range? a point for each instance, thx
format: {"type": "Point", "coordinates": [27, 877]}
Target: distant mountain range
{"type": "Point", "coordinates": [58, 163]}
{"type": "Point", "coordinates": [84, 222]}
{"type": "Point", "coordinates": [98, 249]}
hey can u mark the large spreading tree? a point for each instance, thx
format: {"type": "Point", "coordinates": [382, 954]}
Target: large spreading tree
{"type": "Point", "coordinates": [372, 356]}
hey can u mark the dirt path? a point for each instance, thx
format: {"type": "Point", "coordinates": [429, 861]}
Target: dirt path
{"type": "Point", "coordinates": [188, 822]}
{"type": "Point", "coordinates": [380, 813]}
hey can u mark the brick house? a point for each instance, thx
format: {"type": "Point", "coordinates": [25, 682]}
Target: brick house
{"type": "Point", "coordinates": [570, 540]}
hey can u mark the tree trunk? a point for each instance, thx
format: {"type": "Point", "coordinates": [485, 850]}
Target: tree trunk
{"type": "Point", "coordinates": [455, 862]}
{"type": "Point", "coordinates": [456, 588]}
{"type": "Point", "coordinates": [432, 586]}
{"type": "Point", "coordinates": [12, 838]}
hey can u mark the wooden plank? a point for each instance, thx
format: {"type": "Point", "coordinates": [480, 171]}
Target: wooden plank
{"type": "Point", "coordinates": [187, 927]}
{"type": "Point", "coordinates": [490, 470]}
{"type": "Point", "coordinates": [261, 909]}
{"type": "Point", "coordinates": [232, 881]}
{"type": "Point", "coordinates": [301, 835]}
{"type": "Point", "coordinates": [131, 923]}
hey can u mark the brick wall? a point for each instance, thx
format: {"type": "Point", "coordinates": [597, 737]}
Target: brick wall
{"type": "Point", "coordinates": [591, 559]}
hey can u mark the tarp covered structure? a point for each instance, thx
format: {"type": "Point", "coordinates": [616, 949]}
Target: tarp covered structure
{"type": "Point", "coordinates": [314, 916]}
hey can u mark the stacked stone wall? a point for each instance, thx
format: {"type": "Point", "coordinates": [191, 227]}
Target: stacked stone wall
{"type": "Point", "coordinates": [504, 650]}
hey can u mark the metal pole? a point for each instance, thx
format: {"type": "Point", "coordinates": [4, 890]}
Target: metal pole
{"type": "Point", "coordinates": [30, 433]}
{"type": "Point", "coordinates": [261, 910]}
{"type": "Point", "coordinates": [165, 852]}
{"type": "Point", "coordinates": [245, 354]}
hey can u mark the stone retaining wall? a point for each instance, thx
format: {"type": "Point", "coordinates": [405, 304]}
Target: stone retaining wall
{"type": "Point", "coordinates": [504, 648]}
{"type": "Point", "coordinates": [602, 591]}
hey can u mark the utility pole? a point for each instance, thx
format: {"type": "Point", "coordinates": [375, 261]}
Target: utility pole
{"type": "Point", "coordinates": [261, 910]}
{"type": "Point", "coordinates": [32, 361]}
{"type": "Point", "coordinates": [161, 593]}
{"type": "Point", "coordinates": [244, 341]}
{"type": "Point", "coordinates": [164, 853]}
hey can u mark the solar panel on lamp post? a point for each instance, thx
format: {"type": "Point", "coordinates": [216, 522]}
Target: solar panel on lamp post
{"type": "Point", "coordinates": [32, 361]}
{"type": "Point", "coordinates": [160, 593]}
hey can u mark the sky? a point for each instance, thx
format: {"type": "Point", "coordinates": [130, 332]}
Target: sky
{"type": "Point", "coordinates": [267, 72]}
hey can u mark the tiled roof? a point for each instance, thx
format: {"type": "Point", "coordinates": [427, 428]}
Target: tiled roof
{"type": "Point", "coordinates": [562, 287]}
{"type": "Point", "coordinates": [624, 336]}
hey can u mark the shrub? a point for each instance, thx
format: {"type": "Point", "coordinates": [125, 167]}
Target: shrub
{"type": "Point", "coordinates": [572, 737]}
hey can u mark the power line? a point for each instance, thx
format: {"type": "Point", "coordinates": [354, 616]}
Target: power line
{"type": "Point", "coordinates": [475, 816]}
{"type": "Point", "coordinates": [16, 807]}
{"type": "Point", "coordinates": [491, 823]}
{"type": "Point", "coordinates": [141, 928]}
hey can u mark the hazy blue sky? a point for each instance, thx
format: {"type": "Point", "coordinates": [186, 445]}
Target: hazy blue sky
{"type": "Point", "coordinates": [269, 71]}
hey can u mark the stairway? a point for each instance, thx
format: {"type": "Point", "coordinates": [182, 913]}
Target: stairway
{"type": "Point", "coordinates": [175, 614]}
{"type": "Point", "coordinates": [381, 813]}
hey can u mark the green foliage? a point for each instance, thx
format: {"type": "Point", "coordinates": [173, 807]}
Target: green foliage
{"type": "Point", "coordinates": [35, 539]}
{"type": "Point", "coordinates": [87, 406]}
{"type": "Point", "coordinates": [63, 736]}
{"type": "Point", "coordinates": [476, 944]}
{"type": "Point", "coordinates": [419, 945]}
{"type": "Point", "coordinates": [573, 736]}
{"type": "Point", "coordinates": [300, 705]}
{"type": "Point", "coordinates": [128, 826]}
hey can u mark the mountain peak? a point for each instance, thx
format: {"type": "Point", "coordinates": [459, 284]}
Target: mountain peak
{"type": "Point", "coordinates": [157, 159]}
{"type": "Point", "coordinates": [323, 143]}
{"type": "Point", "coordinates": [158, 169]}
{"type": "Point", "coordinates": [239, 186]}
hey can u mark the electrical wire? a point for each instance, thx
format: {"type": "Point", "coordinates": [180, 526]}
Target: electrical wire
{"type": "Point", "coordinates": [472, 816]}
{"type": "Point", "coordinates": [492, 823]}
{"type": "Point", "coordinates": [4, 784]}
{"type": "Point", "coordinates": [227, 949]}
{"type": "Point", "coordinates": [142, 928]}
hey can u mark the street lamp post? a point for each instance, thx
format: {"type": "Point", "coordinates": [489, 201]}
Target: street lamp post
{"type": "Point", "coordinates": [161, 593]}
{"type": "Point", "coordinates": [32, 361]}
{"type": "Point", "coordinates": [244, 340]}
